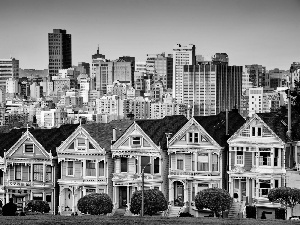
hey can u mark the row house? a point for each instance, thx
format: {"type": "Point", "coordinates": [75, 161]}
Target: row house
{"type": "Point", "coordinates": [197, 153]}
{"type": "Point", "coordinates": [143, 146]}
{"type": "Point", "coordinates": [86, 163]}
{"type": "Point", "coordinates": [259, 155]}
{"type": "Point", "coordinates": [29, 166]}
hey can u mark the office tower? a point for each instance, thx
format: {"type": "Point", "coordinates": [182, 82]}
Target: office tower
{"type": "Point", "coordinates": [9, 68]}
{"type": "Point", "coordinates": [210, 88]}
{"type": "Point", "coordinates": [277, 78]}
{"type": "Point", "coordinates": [182, 55]}
{"type": "Point", "coordinates": [257, 75]}
{"type": "Point", "coordinates": [140, 67]}
{"type": "Point", "coordinates": [124, 69]}
{"type": "Point", "coordinates": [83, 68]}
{"type": "Point", "coordinates": [60, 51]}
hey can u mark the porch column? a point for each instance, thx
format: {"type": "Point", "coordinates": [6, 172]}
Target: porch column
{"type": "Point", "coordinates": [272, 156]}
{"type": "Point", "coordinates": [31, 195]}
{"type": "Point", "coordinates": [114, 195]}
{"type": "Point", "coordinates": [59, 203]}
{"type": "Point", "coordinates": [84, 168]}
{"type": "Point", "coordinates": [186, 191]}
{"type": "Point", "coordinates": [195, 161]}
{"type": "Point", "coordinates": [31, 172]}
{"type": "Point", "coordinates": [230, 185]}
{"type": "Point", "coordinates": [128, 192]}
{"type": "Point", "coordinates": [44, 195]}
{"type": "Point", "coordinates": [7, 197]}
{"type": "Point", "coordinates": [97, 174]}
{"type": "Point", "coordinates": [257, 188]}
{"type": "Point", "coordinates": [44, 172]}
{"type": "Point", "coordinates": [171, 192]}
{"type": "Point", "coordinates": [73, 197]}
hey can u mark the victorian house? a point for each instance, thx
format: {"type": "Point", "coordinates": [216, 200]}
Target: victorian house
{"type": "Point", "coordinates": [197, 153]}
{"type": "Point", "coordinates": [259, 154]}
{"type": "Point", "coordinates": [29, 166]}
{"type": "Point", "coordinates": [86, 163]}
{"type": "Point", "coordinates": [143, 147]}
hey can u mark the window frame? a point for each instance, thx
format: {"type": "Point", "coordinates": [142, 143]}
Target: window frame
{"type": "Point", "coordinates": [100, 169]}
{"type": "Point", "coordinates": [192, 137]}
{"type": "Point", "coordinates": [28, 144]}
{"type": "Point", "coordinates": [40, 172]}
{"type": "Point", "coordinates": [241, 157]}
{"type": "Point", "coordinates": [67, 168]}
{"type": "Point", "coordinates": [181, 164]}
{"type": "Point", "coordinates": [87, 168]}
{"type": "Point", "coordinates": [19, 172]}
{"type": "Point", "coordinates": [137, 139]}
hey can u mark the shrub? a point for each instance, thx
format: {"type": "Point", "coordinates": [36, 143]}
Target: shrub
{"type": "Point", "coordinates": [215, 199]}
{"type": "Point", "coordinates": [185, 214]}
{"type": "Point", "coordinates": [154, 201]}
{"type": "Point", "coordinates": [250, 211]}
{"type": "Point", "coordinates": [37, 206]}
{"type": "Point", "coordinates": [95, 204]}
{"type": "Point", "coordinates": [280, 213]}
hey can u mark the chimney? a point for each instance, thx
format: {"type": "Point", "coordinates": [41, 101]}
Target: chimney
{"type": "Point", "coordinates": [114, 136]}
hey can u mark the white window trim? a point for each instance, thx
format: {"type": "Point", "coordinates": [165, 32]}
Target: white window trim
{"type": "Point", "coordinates": [236, 160]}
{"type": "Point", "coordinates": [33, 149]}
{"type": "Point", "coordinates": [67, 162]}
{"type": "Point", "coordinates": [136, 145]}
{"type": "Point", "coordinates": [256, 131]}
{"type": "Point", "coordinates": [93, 161]}
{"type": "Point", "coordinates": [83, 149]}
{"type": "Point", "coordinates": [193, 137]}
{"type": "Point", "coordinates": [15, 171]}
{"type": "Point", "coordinates": [183, 164]}
{"type": "Point", "coordinates": [209, 163]}
{"type": "Point", "coordinates": [99, 168]}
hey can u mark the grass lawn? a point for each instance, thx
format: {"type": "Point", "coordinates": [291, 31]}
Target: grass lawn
{"type": "Point", "coordinates": [50, 219]}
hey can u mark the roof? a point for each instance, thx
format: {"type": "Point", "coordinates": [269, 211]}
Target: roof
{"type": "Point", "coordinates": [215, 125]}
{"type": "Point", "coordinates": [102, 133]}
{"type": "Point", "coordinates": [278, 124]}
{"type": "Point", "coordinates": [156, 129]}
{"type": "Point", "coordinates": [48, 138]}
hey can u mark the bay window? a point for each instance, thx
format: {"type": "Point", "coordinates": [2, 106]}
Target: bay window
{"type": "Point", "coordinates": [202, 162]}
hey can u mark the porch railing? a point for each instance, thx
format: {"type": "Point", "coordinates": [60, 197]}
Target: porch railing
{"type": "Point", "coordinates": [192, 173]}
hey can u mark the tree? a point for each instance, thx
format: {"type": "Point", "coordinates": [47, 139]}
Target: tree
{"type": "Point", "coordinates": [37, 206]}
{"type": "Point", "coordinates": [95, 204]}
{"type": "Point", "coordinates": [288, 197]}
{"type": "Point", "coordinates": [154, 201]}
{"type": "Point", "coordinates": [215, 199]}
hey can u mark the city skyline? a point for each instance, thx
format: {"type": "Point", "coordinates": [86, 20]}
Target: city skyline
{"type": "Point", "coordinates": [250, 32]}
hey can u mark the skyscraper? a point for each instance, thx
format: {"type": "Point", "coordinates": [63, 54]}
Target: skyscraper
{"type": "Point", "coordinates": [257, 75]}
{"type": "Point", "coordinates": [60, 51]}
{"type": "Point", "coordinates": [9, 68]}
{"type": "Point", "coordinates": [182, 55]}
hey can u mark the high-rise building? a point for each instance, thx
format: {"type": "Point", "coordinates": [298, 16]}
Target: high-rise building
{"type": "Point", "coordinates": [209, 88]}
{"type": "Point", "coordinates": [60, 51]}
{"type": "Point", "coordinates": [257, 75]}
{"type": "Point", "coordinates": [9, 68]}
{"type": "Point", "coordinates": [182, 55]}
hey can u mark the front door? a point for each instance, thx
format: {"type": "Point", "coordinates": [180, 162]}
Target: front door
{"type": "Point", "coordinates": [178, 194]}
{"type": "Point", "coordinates": [122, 196]}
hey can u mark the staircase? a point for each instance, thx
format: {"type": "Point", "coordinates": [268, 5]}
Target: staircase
{"type": "Point", "coordinates": [119, 212]}
{"type": "Point", "coordinates": [174, 211]}
{"type": "Point", "coordinates": [234, 210]}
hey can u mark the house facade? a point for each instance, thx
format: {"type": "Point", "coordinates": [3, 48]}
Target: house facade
{"type": "Point", "coordinates": [195, 164]}
{"type": "Point", "coordinates": [30, 166]}
{"type": "Point", "coordinates": [257, 155]}
{"type": "Point", "coordinates": [143, 146]}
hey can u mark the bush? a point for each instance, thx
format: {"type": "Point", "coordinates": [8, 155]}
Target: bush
{"type": "Point", "coordinates": [250, 211]}
{"type": "Point", "coordinates": [185, 214]}
{"type": "Point", "coordinates": [280, 213]}
{"type": "Point", "coordinates": [154, 201]}
{"type": "Point", "coordinates": [37, 206]}
{"type": "Point", "coordinates": [215, 199]}
{"type": "Point", "coordinates": [95, 204]}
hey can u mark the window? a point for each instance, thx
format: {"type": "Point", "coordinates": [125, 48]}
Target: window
{"type": "Point", "coordinates": [156, 165]}
{"type": "Point", "coordinates": [256, 131]}
{"type": "Point", "coordinates": [144, 162]}
{"type": "Point", "coordinates": [239, 157]}
{"type": "Point", "coordinates": [136, 140]}
{"type": "Point", "coordinates": [193, 137]}
{"type": "Point", "coordinates": [90, 168]}
{"type": "Point", "coordinates": [180, 164]}
{"type": "Point", "coordinates": [48, 173]}
{"type": "Point", "coordinates": [259, 131]}
{"type": "Point", "coordinates": [264, 157]}
{"type": "Point", "coordinates": [214, 162]}
{"type": "Point", "coordinates": [276, 157]}
{"type": "Point", "coordinates": [264, 187]}
{"type": "Point", "coordinates": [80, 144]}
{"type": "Point", "coordinates": [124, 164]}
{"type": "Point", "coordinates": [202, 163]}
{"type": "Point", "coordinates": [101, 168]}
{"type": "Point", "coordinates": [28, 147]}
{"type": "Point", "coordinates": [276, 183]}
{"type": "Point", "coordinates": [70, 168]}
{"type": "Point", "coordinates": [38, 172]}
{"type": "Point", "coordinates": [18, 174]}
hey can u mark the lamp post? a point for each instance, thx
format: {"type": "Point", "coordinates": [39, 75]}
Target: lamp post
{"type": "Point", "coordinates": [143, 178]}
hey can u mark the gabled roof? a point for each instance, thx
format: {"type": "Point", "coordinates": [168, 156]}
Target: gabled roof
{"type": "Point", "coordinates": [278, 123]}
{"type": "Point", "coordinates": [156, 129]}
{"type": "Point", "coordinates": [215, 125]}
{"type": "Point", "coordinates": [48, 138]}
{"type": "Point", "coordinates": [103, 133]}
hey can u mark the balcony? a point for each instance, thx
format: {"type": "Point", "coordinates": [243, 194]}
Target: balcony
{"type": "Point", "coordinates": [135, 176]}
{"type": "Point", "coordinates": [193, 173]}
{"type": "Point", "coordinates": [27, 183]}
